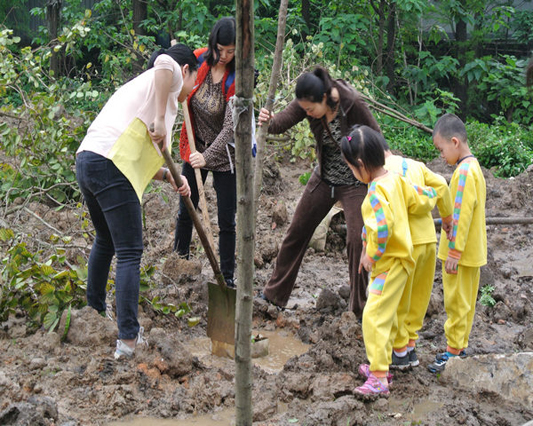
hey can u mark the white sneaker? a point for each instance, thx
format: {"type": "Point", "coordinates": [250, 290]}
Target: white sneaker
{"type": "Point", "coordinates": [125, 351]}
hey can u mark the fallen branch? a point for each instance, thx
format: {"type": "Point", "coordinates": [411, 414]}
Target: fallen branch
{"type": "Point", "coordinates": [393, 113]}
{"type": "Point", "coordinates": [26, 209]}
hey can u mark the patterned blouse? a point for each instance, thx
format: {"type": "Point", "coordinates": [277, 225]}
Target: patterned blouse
{"type": "Point", "coordinates": [335, 171]}
{"type": "Point", "coordinates": [213, 124]}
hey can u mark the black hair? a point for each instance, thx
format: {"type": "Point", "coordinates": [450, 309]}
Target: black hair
{"type": "Point", "coordinates": [311, 86]}
{"type": "Point", "coordinates": [448, 126]}
{"type": "Point", "coordinates": [182, 54]}
{"type": "Point", "coordinates": [224, 33]}
{"type": "Point", "coordinates": [365, 144]}
{"type": "Point", "coordinates": [385, 144]}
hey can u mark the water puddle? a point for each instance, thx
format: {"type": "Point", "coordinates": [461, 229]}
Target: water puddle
{"type": "Point", "coordinates": [222, 418]}
{"type": "Point", "coordinates": [282, 346]}
{"type": "Point", "coordinates": [420, 412]}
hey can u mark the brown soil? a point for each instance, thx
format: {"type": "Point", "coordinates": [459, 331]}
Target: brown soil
{"type": "Point", "coordinates": [44, 381]}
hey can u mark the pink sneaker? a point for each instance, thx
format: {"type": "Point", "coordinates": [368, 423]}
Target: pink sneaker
{"type": "Point", "coordinates": [364, 371]}
{"type": "Point", "coordinates": [372, 388]}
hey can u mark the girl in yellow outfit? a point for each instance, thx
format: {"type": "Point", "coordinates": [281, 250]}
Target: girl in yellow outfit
{"type": "Point", "coordinates": [464, 249]}
{"type": "Point", "coordinates": [417, 292]}
{"type": "Point", "coordinates": [388, 247]}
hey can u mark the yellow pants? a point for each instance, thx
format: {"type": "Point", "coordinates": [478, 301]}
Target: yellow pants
{"type": "Point", "coordinates": [380, 321]}
{"type": "Point", "coordinates": [415, 298]}
{"type": "Point", "coordinates": [460, 295]}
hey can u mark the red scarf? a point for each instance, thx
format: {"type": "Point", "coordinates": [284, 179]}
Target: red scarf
{"type": "Point", "coordinates": [185, 149]}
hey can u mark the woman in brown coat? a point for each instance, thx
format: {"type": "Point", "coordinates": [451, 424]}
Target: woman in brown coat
{"type": "Point", "coordinates": [332, 107]}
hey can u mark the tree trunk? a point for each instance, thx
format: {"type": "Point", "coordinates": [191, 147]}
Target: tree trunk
{"type": "Point", "coordinates": [391, 43]}
{"type": "Point", "coordinates": [53, 9]}
{"type": "Point", "coordinates": [461, 87]}
{"type": "Point", "coordinates": [140, 13]}
{"type": "Point", "coordinates": [262, 132]}
{"type": "Point", "coordinates": [379, 10]}
{"type": "Point", "coordinates": [244, 87]}
{"type": "Point", "coordinates": [306, 15]}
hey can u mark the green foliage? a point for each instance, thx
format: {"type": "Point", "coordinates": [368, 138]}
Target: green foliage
{"type": "Point", "coordinates": [42, 288]}
{"type": "Point", "coordinates": [486, 298]}
{"type": "Point", "coordinates": [504, 85]}
{"type": "Point", "coordinates": [43, 137]}
{"type": "Point", "coordinates": [304, 178]}
{"type": "Point", "coordinates": [411, 142]}
{"type": "Point", "coordinates": [340, 37]}
{"type": "Point", "coordinates": [522, 24]}
{"type": "Point", "coordinates": [505, 148]}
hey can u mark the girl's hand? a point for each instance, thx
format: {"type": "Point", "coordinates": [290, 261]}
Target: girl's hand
{"type": "Point", "coordinates": [264, 116]}
{"type": "Point", "coordinates": [367, 263]}
{"type": "Point", "coordinates": [197, 160]}
{"type": "Point", "coordinates": [158, 132]}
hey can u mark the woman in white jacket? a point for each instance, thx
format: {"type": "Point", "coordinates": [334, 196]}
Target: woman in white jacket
{"type": "Point", "coordinates": [116, 160]}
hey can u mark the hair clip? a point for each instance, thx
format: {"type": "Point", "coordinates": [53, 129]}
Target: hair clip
{"type": "Point", "coordinates": [349, 138]}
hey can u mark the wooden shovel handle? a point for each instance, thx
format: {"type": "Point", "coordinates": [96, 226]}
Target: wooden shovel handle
{"type": "Point", "coordinates": [198, 175]}
{"type": "Point", "coordinates": [196, 220]}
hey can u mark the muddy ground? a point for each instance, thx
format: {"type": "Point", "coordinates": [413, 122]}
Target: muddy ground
{"type": "Point", "coordinates": [44, 381]}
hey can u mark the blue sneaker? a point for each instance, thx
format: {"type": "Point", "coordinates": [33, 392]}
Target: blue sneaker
{"type": "Point", "coordinates": [440, 361]}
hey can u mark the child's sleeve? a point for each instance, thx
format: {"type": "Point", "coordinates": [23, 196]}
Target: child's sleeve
{"type": "Point", "coordinates": [444, 198]}
{"type": "Point", "coordinates": [419, 199]}
{"type": "Point", "coordinates": [378, 227]}
{"type": "Point", "coordinates": [464, 204]}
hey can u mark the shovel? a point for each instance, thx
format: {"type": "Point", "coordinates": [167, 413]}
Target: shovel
{"type": "Point", "coordinates": [198, 174]}
{"type": "Point", "coordinates": [221, 308]}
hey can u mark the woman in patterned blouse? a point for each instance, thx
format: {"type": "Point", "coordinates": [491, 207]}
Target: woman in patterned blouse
{"type": "Point", "coordinates": [212, 125]}
{"type": "Point", "coordinates": [331, 107]}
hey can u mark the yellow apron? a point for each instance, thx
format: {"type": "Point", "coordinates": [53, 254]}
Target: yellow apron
{"type": "Point", "coordinates": [136, 156]}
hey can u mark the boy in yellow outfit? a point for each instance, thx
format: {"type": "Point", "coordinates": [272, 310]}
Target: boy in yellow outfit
{"type": "Point", "coordinates": [388, 248]}
{"type": "Point", "coordinates": [417, 292]}
{"type": "Point", "coordinates": [464, 249]}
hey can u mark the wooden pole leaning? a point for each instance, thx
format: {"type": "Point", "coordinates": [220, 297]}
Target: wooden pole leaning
{"type": "Point", "coordinates": [196, 220]}
{"type": "Point", "coordinates": [198, 174]}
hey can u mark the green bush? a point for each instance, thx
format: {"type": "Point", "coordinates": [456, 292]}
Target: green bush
{"type": "Point", "coordinates": [41, 286]}
{"type": "Point", "coordinates": [505, 148]}
{"type": "Point", "coordinates": [410, 141]}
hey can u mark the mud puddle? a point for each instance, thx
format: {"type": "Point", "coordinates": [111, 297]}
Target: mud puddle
{"type": "Point", "coordinates": [222, 418]}
{"type": "Point", "coordinates": [419, 411]}
{"type": "Point", "coordinates": [282, 346]}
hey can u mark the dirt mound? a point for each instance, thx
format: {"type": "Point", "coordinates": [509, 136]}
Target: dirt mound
{"type": "Point", "coordinates": [47, 381]}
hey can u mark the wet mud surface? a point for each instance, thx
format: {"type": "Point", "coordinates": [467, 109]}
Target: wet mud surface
{"type": "Point", "coordinates": [44, 381]}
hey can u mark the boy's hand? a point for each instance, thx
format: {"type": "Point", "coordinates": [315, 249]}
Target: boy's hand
{"type": "Point", "coordinates": [451, 265]}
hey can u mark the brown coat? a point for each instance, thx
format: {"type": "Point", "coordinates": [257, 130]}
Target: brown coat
{"type": "Point", "coordinates": [353, 110]}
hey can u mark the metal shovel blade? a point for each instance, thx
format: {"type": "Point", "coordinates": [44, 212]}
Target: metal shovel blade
{"type": "Point", "coordinates": [221, 313]}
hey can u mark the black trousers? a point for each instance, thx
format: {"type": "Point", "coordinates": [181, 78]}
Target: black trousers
{"type": "Point", "coordinates": [225, 185]}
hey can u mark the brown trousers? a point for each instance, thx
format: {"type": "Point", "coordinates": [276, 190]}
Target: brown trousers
{"type": "Point", "coordinates": [317, 200]}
